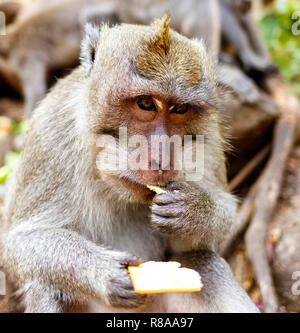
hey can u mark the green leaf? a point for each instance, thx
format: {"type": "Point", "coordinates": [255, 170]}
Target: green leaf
{"type": "Point", "coordinates": [4, 173]}
{"type": "Point", "coordinates": [284, 47]}
{"type": "Point", "coordinates": [20, 127]}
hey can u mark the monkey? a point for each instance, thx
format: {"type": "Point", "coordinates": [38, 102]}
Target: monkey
{"type": "Point", "coordinates": [44, 37]}
{"type": "Point", "coordinates": [238, 29]}
{"type": "Point", "coordinates": [72, 227]}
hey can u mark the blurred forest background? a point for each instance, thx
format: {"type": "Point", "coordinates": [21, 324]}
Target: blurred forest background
{"type": "Point", "coordinates": [257, 131]}
{"type": "Point", "coordinates": [275, 23]}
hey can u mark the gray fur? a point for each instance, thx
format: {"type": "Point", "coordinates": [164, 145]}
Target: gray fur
{"type": "Point", "coordinates": [89, 46]}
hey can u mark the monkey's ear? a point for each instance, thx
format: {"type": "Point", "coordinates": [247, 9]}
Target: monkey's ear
{"type": "Point", "coordinates": [89, 47]}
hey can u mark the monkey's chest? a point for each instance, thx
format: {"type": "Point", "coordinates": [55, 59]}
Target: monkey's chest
{"type": "Point", "coordinates": [136, 237]}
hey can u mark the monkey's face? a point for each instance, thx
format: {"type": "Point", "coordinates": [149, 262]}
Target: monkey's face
{"type": "Point", "coordinates": [142, 143]}
{"type": "Point", "coordinates": [148, 90]}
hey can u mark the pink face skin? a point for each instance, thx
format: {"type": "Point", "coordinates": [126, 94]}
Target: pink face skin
{"type": "Point", "coordinates": [154, 115]}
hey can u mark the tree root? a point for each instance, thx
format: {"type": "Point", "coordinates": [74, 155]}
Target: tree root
{"type": "Point", "coordinates": [268, 190]}
{"type": "Point", "coordinates": [248, 169]}
{"type": "Point", "coordinates": [242, 221]}
{"type": "Point", "coordinates": [259, 205]}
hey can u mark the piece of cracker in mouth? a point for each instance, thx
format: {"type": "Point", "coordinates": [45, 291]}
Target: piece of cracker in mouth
{"type": "Point", "coordinates": [156, 189]}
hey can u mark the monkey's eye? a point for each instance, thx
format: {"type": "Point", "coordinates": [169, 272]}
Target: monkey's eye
{"type": "Point", "coordinates": [180, 109]}
{"type": "Point", "coordinates": [146, 103]}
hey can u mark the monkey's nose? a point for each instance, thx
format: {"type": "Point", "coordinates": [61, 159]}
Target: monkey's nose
{"type": "Point", "coordinates": [161, 173]}
{"type": "Point", "coordinates": [155, 164]}
{"type": "Point", "coordinates": [163, 164]}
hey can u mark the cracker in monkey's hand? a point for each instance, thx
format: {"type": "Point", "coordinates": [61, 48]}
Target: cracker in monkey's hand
{"type": "Point", "coordinates": [156, 189]}
{"type": "Point", "coordinates": [164, 277]}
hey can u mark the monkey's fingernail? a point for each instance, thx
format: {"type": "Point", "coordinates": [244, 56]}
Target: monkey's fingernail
{"type": "Point", "coordinates": [135, 261]}
{"type": "Point", "coordinates": [175, 187]}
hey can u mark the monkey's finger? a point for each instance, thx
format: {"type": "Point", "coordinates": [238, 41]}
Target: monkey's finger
{"type": "Point", "coordinates": [130, 260]}
{"type": "Point", "coordinates": [179, 186]}
{"type": "Point", "coordinates": [123, 286]}
{"type": "Point", "coordinates": [122, 289]}
{"type": "Point", "coordinates": [167, 198]}
{"type": "Point", "coordinates": [167, 225]}
{"type": "Point", "coordinates": [172, 210]}
{"type": "Point", "coordinates": [131, 294]}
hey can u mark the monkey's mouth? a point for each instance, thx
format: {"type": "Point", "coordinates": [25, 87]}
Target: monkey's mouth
{"type": "Point", "coordinates": [137, 188]}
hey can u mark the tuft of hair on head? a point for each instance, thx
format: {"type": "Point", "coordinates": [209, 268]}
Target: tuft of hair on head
{"type": "Point", "coordinates": [89, 47]}
{"type": "Point", "coordinates": [159, 52]}
{"type": "Point", "coordinates": [160, 40]}
{"type": "Point", "coordinates": [153, 47]}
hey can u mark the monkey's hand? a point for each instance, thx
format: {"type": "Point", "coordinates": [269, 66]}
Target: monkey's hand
{"type": "Point", "coordinates": [200, 216]}
{"type": "Point", "coordinates": [118, 288]}
{"type": "Point", "coordinates": [180, 209]}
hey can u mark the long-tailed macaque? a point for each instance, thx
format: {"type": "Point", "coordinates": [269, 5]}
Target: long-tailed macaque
{"type": "Point", "coordinates": [72, 227]}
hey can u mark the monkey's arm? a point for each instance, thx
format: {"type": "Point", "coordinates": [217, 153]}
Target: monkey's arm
{"type": "Point", "coordinates": [254, 36]}
{"type": "Point", "coordinates": [62, 261]}
{"type": "Point", "coordinates": [232, 77]}
{"type": "Point", "coordinates": [208, 27]}
{"type": "Point", "coordinates": [234, 34]}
